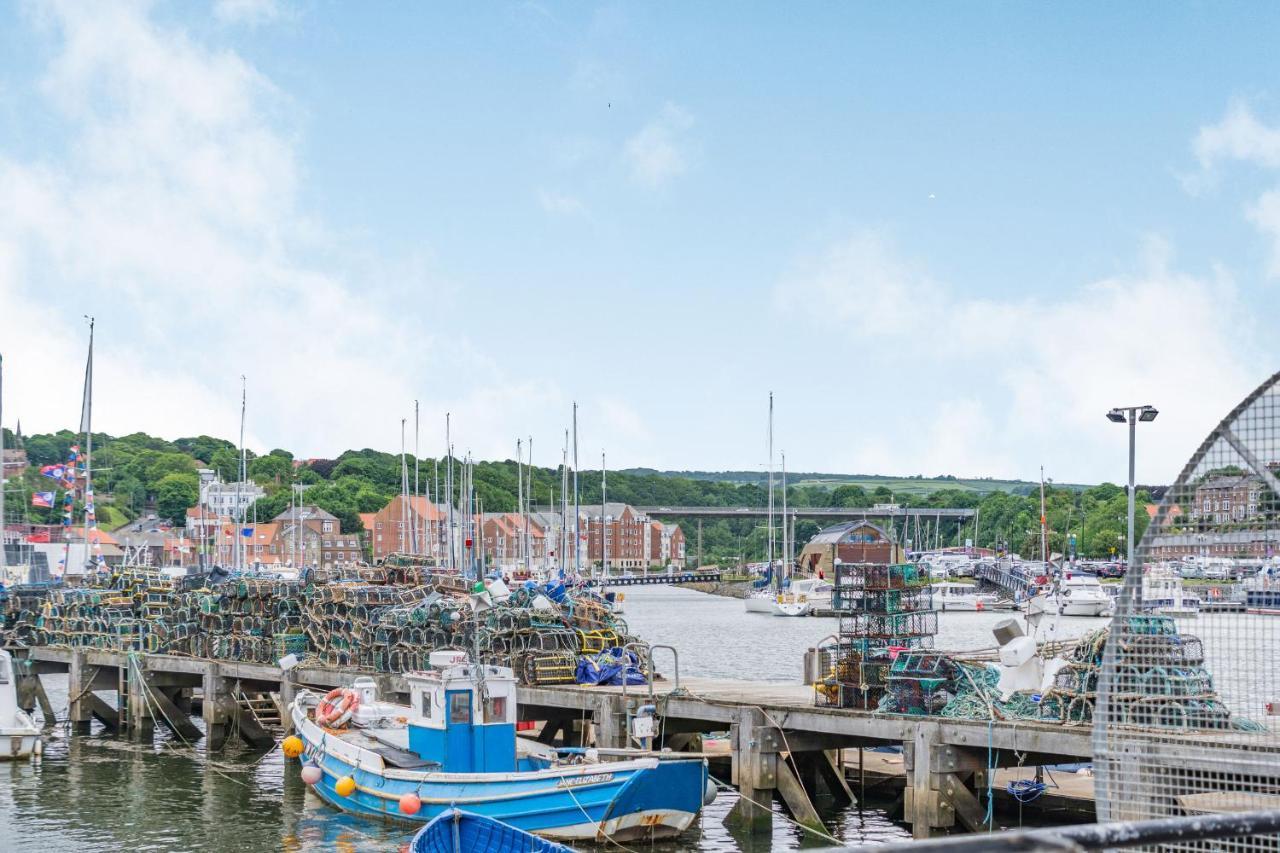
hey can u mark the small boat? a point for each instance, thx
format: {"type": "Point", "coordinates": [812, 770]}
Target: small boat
{"type": "Point", "coordinates": [965, 596]}
{"type": "Point", "coordinates": [19, 735]}
{"type": "Point", "coordinates": [455, 745]}
{"type": "Point", "coordinates": [802, 597]}
{"type": "Point", "coordinates": [1163, 593]}
{"type": "Point", "coordinates": [456, 831]}
{"type": "Point", "coordinates": [1079, 595]}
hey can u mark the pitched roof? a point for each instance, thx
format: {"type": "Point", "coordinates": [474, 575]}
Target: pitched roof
{"type": "Point", "coordinates": [366, 519]}
{"type": "Point", "coordinates": [97, 534]}
{"type": "Point", "coordinates": [305, 513]}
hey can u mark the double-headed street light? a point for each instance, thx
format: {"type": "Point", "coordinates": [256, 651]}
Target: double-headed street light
{"type": "Point", "coordinates": [1131, 415]}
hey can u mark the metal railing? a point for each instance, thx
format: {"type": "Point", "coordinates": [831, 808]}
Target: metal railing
{"type": "Point", "coordinates": [1096, 836]}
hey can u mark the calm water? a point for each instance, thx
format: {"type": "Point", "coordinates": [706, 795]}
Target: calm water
{"type": "Point", "coordinates": [105, 794]}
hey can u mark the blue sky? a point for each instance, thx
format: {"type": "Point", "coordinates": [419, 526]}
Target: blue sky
{"type": "Point", "coordinates": [947, 238]}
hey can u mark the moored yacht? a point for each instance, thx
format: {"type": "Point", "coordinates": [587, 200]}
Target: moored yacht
{"type": "Point", "coordinates": [1163, 593]}
{"type": "Point", "coordinates": [965, 596]}
{"type": "Point", "coordinates": [19, 735]}
{"type": "Point", "coordinates": [1079, 595]}
{"type": "Point", "coordinates": [802, 597]}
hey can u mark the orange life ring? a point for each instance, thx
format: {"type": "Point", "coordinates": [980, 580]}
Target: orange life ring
{"type": "Point", "coordinates": [336, 708]}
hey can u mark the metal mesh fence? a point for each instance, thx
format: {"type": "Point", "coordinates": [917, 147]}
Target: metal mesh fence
{"type": "Point", "coordinates": [1184, 719]}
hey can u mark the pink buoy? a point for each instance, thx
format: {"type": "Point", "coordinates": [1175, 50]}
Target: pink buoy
{"type": "Point", "coordinates": [410, 803]}
{"type": "Point", "coordinates": [311, 774]}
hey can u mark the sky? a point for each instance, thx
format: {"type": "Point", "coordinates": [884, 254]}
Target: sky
{"type": "Point", "coordinates": [947, 237]}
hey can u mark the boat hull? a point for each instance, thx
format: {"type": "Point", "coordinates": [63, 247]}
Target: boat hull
{"type": "Point", "coordinates": [636, 799]}
{"type": "Point", "coordinates": [759, 603]}
{"type": "Point", "coordinates": [15, 746]}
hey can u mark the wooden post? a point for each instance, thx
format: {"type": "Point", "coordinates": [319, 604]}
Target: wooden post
{"type": "Point", "coordinates": [213, 708]}
{"type": "Point", "coordinates": [78, 710]}
{"type": "Point", "coordinates": [754, 772]}
{"type": "Point", "coordinates": [141, 724]}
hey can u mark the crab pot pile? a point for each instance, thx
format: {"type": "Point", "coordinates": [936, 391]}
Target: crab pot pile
{"type": "Point", "coordinates": [373, 622]}
{"type": "Point", "coordinates": [884, 610]}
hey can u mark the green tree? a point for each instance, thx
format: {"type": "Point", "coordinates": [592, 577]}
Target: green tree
{"type": "Point", "coordinates": [272, 468]}
{"type": "Point", "coordinates": [174, 494]}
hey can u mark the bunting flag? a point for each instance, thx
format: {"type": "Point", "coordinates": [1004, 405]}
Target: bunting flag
{"type": "Point", "coordinates": [44, 499]}
{"type": "Point", "coordinates": [54, 472]}
{"type": "Point", "coordinates": [68, 503]}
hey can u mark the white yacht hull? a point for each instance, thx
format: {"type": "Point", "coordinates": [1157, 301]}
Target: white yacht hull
{"type": "Point", "coordinates": [16, 744]}
{"type": "Point", "coordinates": [785, 607]}
{"type": "Point", "coordinates": [759, 603]}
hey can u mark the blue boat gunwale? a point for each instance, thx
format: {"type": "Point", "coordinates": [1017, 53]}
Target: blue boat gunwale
{"type": "Point", "coordinates": [317, 752]}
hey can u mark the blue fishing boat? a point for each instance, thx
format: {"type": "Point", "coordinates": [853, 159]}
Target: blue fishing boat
{"type": "Point", "coordinates": [455, 745]}
{"type": "Point", "coordinates": [456, 831]}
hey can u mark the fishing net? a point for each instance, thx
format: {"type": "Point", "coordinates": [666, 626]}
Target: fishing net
{"type": "Point", "coordinates": [1184, 717]}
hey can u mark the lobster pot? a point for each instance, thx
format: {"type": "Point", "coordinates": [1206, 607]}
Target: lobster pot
{"type": "Point", "coordinates": [887, 626]}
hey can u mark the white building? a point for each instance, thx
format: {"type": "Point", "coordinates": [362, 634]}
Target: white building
{"type": "Point", "coordinates": [226, 499]}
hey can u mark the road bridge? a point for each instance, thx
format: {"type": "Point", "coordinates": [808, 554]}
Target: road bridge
{"type": "Point", "coordinates": [814, 512]}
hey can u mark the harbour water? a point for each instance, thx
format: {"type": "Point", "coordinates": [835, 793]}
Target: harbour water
{"type": "Point", "coordinates": [106, 794]}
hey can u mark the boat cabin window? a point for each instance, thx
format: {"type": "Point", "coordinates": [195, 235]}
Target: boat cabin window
{"type": "Point", "coordinates": [496, 710]}
{"type": "Point", "coordinates": [460, 707]}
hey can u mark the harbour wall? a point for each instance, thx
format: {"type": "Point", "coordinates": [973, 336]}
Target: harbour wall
{"type": "Point", "coordinates": [729, 589]}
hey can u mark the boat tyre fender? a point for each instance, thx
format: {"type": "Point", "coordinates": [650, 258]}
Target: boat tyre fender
{"type": "Point", "coordinates": [336, 708]}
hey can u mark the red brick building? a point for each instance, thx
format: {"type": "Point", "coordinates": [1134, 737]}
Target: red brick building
{"type": "Point", "coordinates": [391, 529]}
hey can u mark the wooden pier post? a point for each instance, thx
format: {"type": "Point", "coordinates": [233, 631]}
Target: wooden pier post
{"type": "Point", "coordinates": [213, 707]}
{"type": "Point", "coordinates": [141, 724]}
{"type": "Point", "coordinates": [80, 707]}
{"type": "Point", "coordinates": [610, 722]}
{"type": "Point", "coordinates": [754, 772]}
{"type": "Point", "coordinates": [940, 777]}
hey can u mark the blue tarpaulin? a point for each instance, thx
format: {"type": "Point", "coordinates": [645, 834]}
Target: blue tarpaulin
{"type": "Point", "coordinates": [610, 667]}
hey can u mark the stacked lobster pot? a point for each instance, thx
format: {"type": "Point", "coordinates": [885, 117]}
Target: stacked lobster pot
{"type": "Point", "coordinates": [884, 610]}
{"type": "Point", "coordinates": [369, 622]}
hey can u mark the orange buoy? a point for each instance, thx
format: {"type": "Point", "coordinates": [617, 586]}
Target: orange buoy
{"type": "Point", "coordinates": [410, 803]}
{"type": "Point", "coordinates": [291, 746]}
{"type": "Point", "coordinates": [345, 786]}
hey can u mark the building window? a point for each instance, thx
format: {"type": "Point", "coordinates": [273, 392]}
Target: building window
{"type": "Point", "coordinates": [327, 527]}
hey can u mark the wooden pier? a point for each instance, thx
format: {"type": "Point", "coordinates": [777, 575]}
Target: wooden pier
{"type": "Point", "coordinates": [780, 741]}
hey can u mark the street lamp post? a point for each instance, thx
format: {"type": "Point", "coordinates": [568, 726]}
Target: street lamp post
{"type": "Point", "coordinates": [1131, 415]}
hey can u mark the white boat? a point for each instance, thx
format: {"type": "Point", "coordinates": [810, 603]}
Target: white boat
{"type": "Point", "coordinates": [965, 596]}
{"type": "Point", "coordinates": [1079, 595]}
{"type": "Point", "coordinates": [760, 600]}
{"type": "Point", "coordinates": [19, 735]}
{"type": "Point", "coordinates": [802, 597]}
{"type": "Point", "coordinates": [1163, 593]}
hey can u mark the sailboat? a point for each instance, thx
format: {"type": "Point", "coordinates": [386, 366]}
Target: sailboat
{"type": "Point", "coordinates": [762, 598]}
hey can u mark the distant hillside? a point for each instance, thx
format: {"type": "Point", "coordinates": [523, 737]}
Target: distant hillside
{"type": "Point", "coordinates": [906, 485]}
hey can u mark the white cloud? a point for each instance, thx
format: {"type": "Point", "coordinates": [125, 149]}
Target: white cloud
{"type": "Point", "coordinates": [942, 382]}
{"type": "Point", "coordinates": [173, 217]}
{"type": "Point", "coordinates": [661, 150]}
{"type": "Point", "coordinates": [249, 12]}
{"type": "Point", "coordinates": [1240, 136]}
{"type": "Point", "coordinates": [560, 203]}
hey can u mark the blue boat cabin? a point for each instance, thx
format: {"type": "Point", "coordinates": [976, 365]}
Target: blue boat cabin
{"type": "Point", "coordinates": [462, 721]}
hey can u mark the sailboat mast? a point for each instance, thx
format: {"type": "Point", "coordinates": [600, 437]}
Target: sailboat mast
{"type": "Point", "coordinates": [404, 492]}
{"type": "Point", "coordinates": [769, 522]}
{"type": "Point", "coordinates": [529, 501]}
{"type": "Point", "coordinates": [244, 469]}
{"type": "Point", "coordinates": [1044, 524]}
{"type": "Point", "coordinates": [448, 487]}
{"type": "Point", "coordinates": [604, 519]}
{"type": "Point", "coordinates": [786, 520]}
{"type": "Point", "coordinates": [416, 492]}
{"type": "Point", "coordinates": [86, 418]}
{"type": "Point", "coordinates": [577, 517]}
{"type": "Point", "coordinates": [520, 495]}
